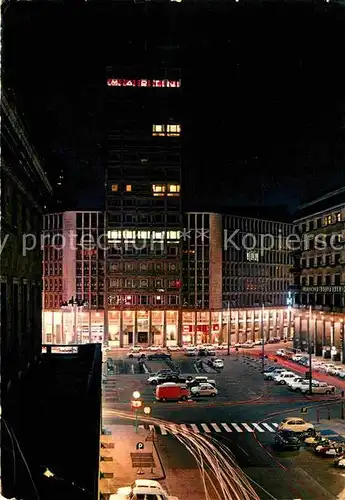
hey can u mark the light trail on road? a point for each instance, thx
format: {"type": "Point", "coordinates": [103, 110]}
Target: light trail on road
{"type": "Point", "coordinates": [213, 459]}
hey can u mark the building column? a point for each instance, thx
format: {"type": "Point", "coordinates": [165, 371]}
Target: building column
{"type": "Point", "coordinates": [209, 326]}
{"type": "Point", "coordinates": [135, 328]}
{"type": "Point", "coordinates": [195, 326]}
{"type": "Point", "coordinates": [237, 327]}
{"type": "Point", "coordinates": [150, 339]}
{"type": "Point", "coordinates": [53, 328]}
{"type": "Point", "coordinates": [121, 326]}
{"type": "Point", "coordinates": [179, 327]}
{"type": "Point", "coordinates": [164, 328]}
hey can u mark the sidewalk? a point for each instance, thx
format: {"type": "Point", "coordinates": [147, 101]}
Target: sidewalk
{"type": "Point", "coordinates": [116, 458]}
{"type": "Point", "coordinates": [333, 429]}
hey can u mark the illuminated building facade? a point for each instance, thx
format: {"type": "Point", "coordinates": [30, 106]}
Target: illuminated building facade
{"type": "Point", "coordinates": [319, 274]}
{"type": "Point", "coordinates": [73, 277]}
{"type": "Point", "coordinates": [143, 206]}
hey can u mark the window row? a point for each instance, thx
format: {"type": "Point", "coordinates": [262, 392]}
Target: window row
{"type": "Point", "coordinates": [144, 204]}
{"type": "Point", "coordinates": [321, 279]}
{"type": "Point", "coordinates": [153, 250]}
{"type": "Point", "coordinates": [144, 219]}
{"type": "Point", "coordinates": [318, 222]}
{"type": "Point", "coordinates": [144, 300]}
{"type": "Point", "coordinates": [321, 260]}
{"type": "Point", "coordinates": [117, 267]}
{"type": "Point", "coordinates": [170, 130]}
{"type": "Point", "coordinates": [52, 269]}
{"type": "Point", "coordinates": [157, 284]}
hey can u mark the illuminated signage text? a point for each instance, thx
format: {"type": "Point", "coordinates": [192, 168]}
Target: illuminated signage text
{"type": "Point", "coordinates": [121, 82]}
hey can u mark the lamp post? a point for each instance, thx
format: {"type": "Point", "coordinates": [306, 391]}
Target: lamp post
{"type": "Point", "coordinates": [136, 404]}
{"type": "Point", "coordinates": [229, 327]}
{"type": "Point", "coordinates": [262, 339]}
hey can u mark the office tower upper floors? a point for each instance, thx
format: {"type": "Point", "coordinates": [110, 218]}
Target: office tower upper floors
{"type": "Point", "coordinates": [319, 267]}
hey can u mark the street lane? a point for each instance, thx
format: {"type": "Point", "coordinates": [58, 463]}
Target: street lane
{"type": "Point", "coordinates": [256, 407]}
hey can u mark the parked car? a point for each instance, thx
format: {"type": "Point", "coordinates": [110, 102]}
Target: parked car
{"type": "Point", "coordinates": [210, 351]}
{"type": "Point", "coordinates": [204, 390]}
{"type": "Point", "coordinates": [270, 374]}
{"type": "Point", "coordinates": [283, 377]}
{"type": "Point", "coordinates": [175, 348]}
{"type": "Point", "coordinates": [191, 351]}
{"type": "Point", "coordinates": [155, 348]}
{"type": "Point", "coordinates": [159, 355]}
{"type": "Point", "coordinates": [136, 354]}
{"type": "Point", "coordinates": [171, 391]}
{"type": "Point", "coordinates": [164, 377]}
{"type": "Point", "coordinates": [281, 352]}
{"type": "Point", "coordinates": [193, 382]}
{"type": "Point", "coordinates": [295, 424]}
{"type": "Point", "coordinates": [142, 489]}
{"type": "Point", "coordinates": [287, 439]}
{"type": "Point", "coordinates": [318, 388]}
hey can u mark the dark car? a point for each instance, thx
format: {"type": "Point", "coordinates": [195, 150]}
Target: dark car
{"type": "Point", "coordinates": [287, 440]}
{"type": "Point", "coordinates": [158, 355]}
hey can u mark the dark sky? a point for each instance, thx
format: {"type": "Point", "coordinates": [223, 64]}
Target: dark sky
{"type": "Point", "coordinates": [264, 92]}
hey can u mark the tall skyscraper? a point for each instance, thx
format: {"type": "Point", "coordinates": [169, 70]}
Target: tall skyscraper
{"type": "Point", "coordinates": [143, 205]}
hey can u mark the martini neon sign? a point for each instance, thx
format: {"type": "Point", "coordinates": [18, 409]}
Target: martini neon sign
{"type": "Point", "coordinates": [121, 82]}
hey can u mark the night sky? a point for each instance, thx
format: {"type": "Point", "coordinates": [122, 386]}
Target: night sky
{"type": "Point", "coordinates": [263, 91]}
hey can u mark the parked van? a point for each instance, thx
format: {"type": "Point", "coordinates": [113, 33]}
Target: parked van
{"type": "Point", "coordinates": [172, 392]}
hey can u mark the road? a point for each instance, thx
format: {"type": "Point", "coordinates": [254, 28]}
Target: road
{"type": "Point", "coordinates": [243, 417]}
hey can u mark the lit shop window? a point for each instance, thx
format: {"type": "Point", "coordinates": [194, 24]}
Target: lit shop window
{"type": "Point", "coordinates": [114, 187]}
{"type": "Point", "coordinates": [129, 188]}
{"type": "Point", "coordinates": [143, 235]}
{"type": "Point", "coordinates": [158, 130]}
{"type": "Point", "coordinates": [173, 130]}
{"type": "Point", "coordinates": [327, 220]}
{"type": "Point", "coordinates": [128, 235]}
{"type": "Point", "coordinates": [338, 217]}
{"type": "Point", "coordinates": [158, 189]}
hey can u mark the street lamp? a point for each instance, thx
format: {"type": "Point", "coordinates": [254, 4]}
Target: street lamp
{"type": "Point", "coordinates": [262, 339]}
{"type": "Point", "coordinates": [309, 353]}
{"type": "Point", "coordinates": [147, 410]}
{"type": "Point", "coordinates": [229, 327]}
{"type": "Point", "coordinates": [136, 404]}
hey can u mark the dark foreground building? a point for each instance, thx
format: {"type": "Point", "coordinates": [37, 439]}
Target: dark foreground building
{"type": "Point", "coordinates": [50, 404]}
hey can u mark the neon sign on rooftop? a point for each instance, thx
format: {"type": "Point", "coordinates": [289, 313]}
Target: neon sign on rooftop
{"type": "Point", "coordinates": [122, 82]}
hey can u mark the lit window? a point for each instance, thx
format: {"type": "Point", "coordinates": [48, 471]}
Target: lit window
{"type": "Point", "coordinates": [129, 235]}
{"type": "Point", "coordinates": [129, 188]}
{"type": "Point", "coordinates": [158, 189]}
{"type": "Point", "coordinates": [143, 283]}
{"type": "Point", "coordinates": [173, 235]}
{"type": "Point", "coordinates": [173, 130]}
{"type": "Point", "coordinates": [174, 188]}
{"type": "Point", "coordinates": [158, 235]}
{"type": "Point", "coordinates": [338, 217]}
{"type": "Point", "coordinates": [143, 235]}
{"type": "Point", "coordinates": [114, 187]}
{"type": "Point", "coordinates": [158, 130]}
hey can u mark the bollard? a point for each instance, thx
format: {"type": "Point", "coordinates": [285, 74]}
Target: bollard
{"type": "Point", "coordinates": [342, 410]}
{"type": "Point", "coordinates": [317, 416]}
{"type": "Point", "coordinates": [329, 414]}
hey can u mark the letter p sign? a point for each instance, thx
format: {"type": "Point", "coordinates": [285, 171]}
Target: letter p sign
{"type": "Point", "coordinates": [140, 446]}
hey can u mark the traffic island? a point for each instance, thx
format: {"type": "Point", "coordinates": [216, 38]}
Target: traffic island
{"type": "Point", "coordinates": [133, 455]}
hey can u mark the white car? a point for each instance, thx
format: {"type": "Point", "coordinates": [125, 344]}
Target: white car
{"type": "Point", "coordinates": [298, 357]}
{"type": "Point", "coordinates": [191, 351]}
{"type": "Point", "coordinates": [142, 489]}
{"type": "Point", "coordinates": [329, 368]}
{"type": "Point", "coordinates": [318, 388]}
{"type": "Point", "coordinates": [293, 380]}
{"type": "Point", "coordinates": [248, 345]}
{"type": "Point", "coordinates": [272, 374]}
{"type": "Point", "coordinates": [132, 353]}
{"type": "Point", "coordinates": [282, 378]}
{"type": "Point", "coordinates": [218, 363]}
{"type": "Point", "coordinates": [281, 352]}
{"type": "Point", "coordinates": [295, 424]}
{"type": "Point", "coordinates": [155, 348]}
{"type": "Point", "coordinates": [204, 390]}
{"type": "Point", "coordinates": [295, 383]}
{"type": "Point", "coordinates": [222, 346]}
{"type": "Point", "coordinates": [175, 348]}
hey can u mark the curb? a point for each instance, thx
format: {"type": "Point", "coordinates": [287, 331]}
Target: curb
{"type": "Point", "coordinates": [160, 463]}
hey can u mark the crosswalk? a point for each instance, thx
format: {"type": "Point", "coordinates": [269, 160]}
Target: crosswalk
{"type": "Point", "coordinates": [213, 427]}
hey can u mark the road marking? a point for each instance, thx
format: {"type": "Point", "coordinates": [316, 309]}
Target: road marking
{"type": "Point", "coordinates": [195, 428]}
{"type": "Point", "coordinates": [206, 429]}
{"type": "Point", "coordinates": [141, 427]}
{"type": "Point", "coordinates": [275, 424]}
{"type": "Point", "coordinates": [268, 427]}
{"type": "Point", "coordinates": [173, 429]}
{"type": "Point", "coordinates": [163, 431]}
{"type": "Point", "coordinates": [236, 427]}
{"type": "Point", "coordinates": [216, 428]}
{"type": "Point", "coordinates": [246, 426]}
{"type": "Point", "coordinates": [244, 451]}
{"type": "Point", "coordinates": [258, 428]}
{"type": "Point", "coordinates": [184, 427]}
{"type": "Point", "coordinates": [226, 427]}
{"type": "Point", "coordinates": [152, 428]}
